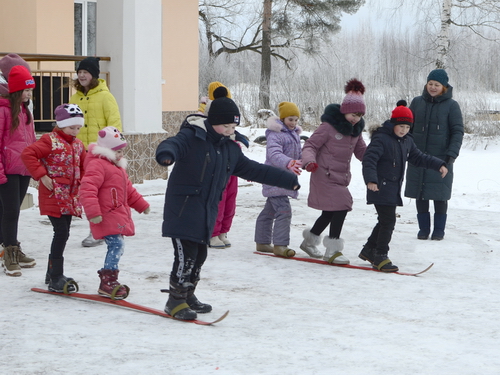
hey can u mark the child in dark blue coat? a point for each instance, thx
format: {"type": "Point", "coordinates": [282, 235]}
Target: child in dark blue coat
{"type": "Point", "coordinates": [384, 165]}
{"type": "Point", "coordinates": [205, 156]}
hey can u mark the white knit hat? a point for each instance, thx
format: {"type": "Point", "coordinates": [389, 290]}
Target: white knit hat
{"type": "Point", "coordinates": [68, 115]}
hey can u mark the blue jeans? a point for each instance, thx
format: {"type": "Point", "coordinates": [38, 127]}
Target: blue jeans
{"type": "Point", "coordinates": [116, 245]}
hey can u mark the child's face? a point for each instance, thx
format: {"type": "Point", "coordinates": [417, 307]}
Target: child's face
{"type": "Point", "coordinates": [225, 129]}
{"type": "Point", "coordinates": [353, 118]}
{"type": "Point", "coordinates": [84, 77]}
{"type": "Point", "coordinates": [291, 122]}
{"type": "Point", "coordinates": [72, 130]}
{"type": "Point", "coordinates": [119, 153]}
{"type": "Point", "coordinates": [401, 130]}
{"type": "Point", "coordinates": [434, 88]}
{"type": "Point", "coordinates": [26, 95]}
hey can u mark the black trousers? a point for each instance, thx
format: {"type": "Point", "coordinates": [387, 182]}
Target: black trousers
{"type": "Point", "coordinates": [440, 207]}
{"type": "Point", "coordinates": [333, 218]}
{"type": "Point", "coordinates": [61, 227]}
{"type": "Point", "coordinates": [382, 232]}
{"type": "Point", "coordinates": [189, 258]}
{"type": "Point", "coordinates": [12, 194]}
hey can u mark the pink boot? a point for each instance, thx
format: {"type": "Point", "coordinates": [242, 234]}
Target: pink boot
{"type": "Point", "coordinates": [110, 287]}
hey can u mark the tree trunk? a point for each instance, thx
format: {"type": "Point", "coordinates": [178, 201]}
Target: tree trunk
{"type": "Point", "coordinates": [443, 40]}
{"type": "Point", "coordinates": [265, 69]}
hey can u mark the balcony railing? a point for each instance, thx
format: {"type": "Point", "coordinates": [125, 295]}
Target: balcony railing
{"type": "Point", "coordinates": [53, 87]}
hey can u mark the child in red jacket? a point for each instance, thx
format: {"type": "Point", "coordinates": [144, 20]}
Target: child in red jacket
{"type": "Point", "coordinates": [107, 195]}
{"type": "Point", "coordinates": [56, 161]}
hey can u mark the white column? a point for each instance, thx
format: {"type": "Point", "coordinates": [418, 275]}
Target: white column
{"type": "Point", "coordinates": [129, 31]}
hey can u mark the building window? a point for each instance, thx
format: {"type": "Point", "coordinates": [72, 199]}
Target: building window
{"type": "Point", "coordinates": [85, 27]}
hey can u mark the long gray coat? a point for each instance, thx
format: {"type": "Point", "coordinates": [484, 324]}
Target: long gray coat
{"type": "Point", "coordinates": [438, 130]}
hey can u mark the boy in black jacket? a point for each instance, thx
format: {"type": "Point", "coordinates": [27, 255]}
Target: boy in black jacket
{"type": "Point", "coordinates": [205, 157]}
{"type": "Point", "coordinates": [384, 165]}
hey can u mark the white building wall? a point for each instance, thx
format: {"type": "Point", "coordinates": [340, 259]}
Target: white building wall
{"type": "Point", "coordinates": [129, 32]}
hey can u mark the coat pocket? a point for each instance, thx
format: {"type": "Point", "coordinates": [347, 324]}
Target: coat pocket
{"type": "Point", "coordinates": [181, 197]}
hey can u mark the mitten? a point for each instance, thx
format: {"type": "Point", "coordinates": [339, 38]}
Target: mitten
{"type": "Point", "coordinates": [96, 220]}
{"type": "Point", "coordinates": [147, 211]}
{"type": "Point", "coordinates": [312, 167]}
{"type": "Point", "coordinates": [294, 166]}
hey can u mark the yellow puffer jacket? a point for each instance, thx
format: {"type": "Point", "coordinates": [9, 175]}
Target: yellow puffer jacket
{"type": "Point", "coordinates": [99, 108]}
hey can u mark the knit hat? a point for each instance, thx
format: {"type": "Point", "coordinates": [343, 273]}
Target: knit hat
{"type": "Point", "coordinates": [20, 79]}
{"type": "Point", "coordinates": [211, 88]}
{"type": "Point", "coordinates": [68, 115]}
{"type": "Point", "coordinates": [9, 61]}
{"type": "Point", "coordinates": [222, 109]}
{"type": "Point", "coordinates": [438, 75]}
{"type": "Point", "coordinates": [353, 101]}
{"type": "Point", "coordinates": [287, 109]}
{"type": "Point", "coordinates": [110, 137]}
{"type": "Point", "coordinates": [402, 114]}
{"type": "Point", "coordinates": [91, 65]}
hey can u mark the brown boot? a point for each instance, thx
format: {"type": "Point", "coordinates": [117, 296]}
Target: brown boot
{"type": "Point", "coordinates": [25, 261]}
{"type": "Point", "coordinates": [10, 261]}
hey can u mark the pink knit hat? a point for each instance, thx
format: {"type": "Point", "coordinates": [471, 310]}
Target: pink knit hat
{"type": "Point", "coordinates": [110, 137]}
{"type": "Point", "coordinates": [353, 101]}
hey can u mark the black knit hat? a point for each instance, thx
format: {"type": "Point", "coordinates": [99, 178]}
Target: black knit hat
{"type": "Point", "coordinates": [222, 109]}
{"type": "Point", "coordinates": [91, 65]}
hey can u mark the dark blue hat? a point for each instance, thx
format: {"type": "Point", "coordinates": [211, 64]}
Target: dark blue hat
{"type": "Point", "coordinates": [438, 75]}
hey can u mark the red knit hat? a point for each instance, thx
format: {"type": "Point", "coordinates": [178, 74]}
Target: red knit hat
{"type": "Point", "coordinates": [20, 79]}
{"type": "Point", "coordinates": [402, 114]}
{"type": "Point", "coordinates": [353, 101]}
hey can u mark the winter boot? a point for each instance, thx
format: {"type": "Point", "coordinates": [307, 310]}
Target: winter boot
{"type": "Point", "coordinates": [367, 253]}
{"type": "Point", "coordinates": [110, 287]}
{"type": "Point", "coordinates": [47, 274]}
{"type": "Point", "coordinates": [310, 243]}
{"type": "Point", "coordinates": [216, 243]}
{"type": "Point", "coordinates": [264, 248]}
{"type": "Point", "coordinates": [439, 225]}
{"type": "Point", "coordinates": [283, 251]}
{"type": "Point", "coordinates": [10, 261]}
{"type": "Point", "coordinates": [424, 224]}
{"type": "Point", "coordinates": [176, 305]}
{"type": "Point", "coordinates": [58, 282]}
{"type": "Point", "coordinates": [223, 238]}
{"type": "Point", "coordinates": [25, 261]}
{"type": "Point", "coordinates": [194, 303]}
{"type": "Point", "coordinates": [382, 263]}
{"type": "Point", "coordinates": [334, 247]}
{"type": "Point", "coordinates": [90, 241]}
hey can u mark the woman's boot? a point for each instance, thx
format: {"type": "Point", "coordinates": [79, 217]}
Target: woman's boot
{"type": "Point", "coordinates": [424, 224]}
{"type": "Point", "coordinates": [439, 225]}
{"type": "Point", "coordinates": [10, 261]}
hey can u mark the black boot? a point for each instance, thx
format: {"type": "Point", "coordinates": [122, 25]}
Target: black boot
{"type": "Point", "coordinates": [194, 303]}
{"type": "Point", "coordinates": [367, 253]}
{"type": "Point", "coordinates": [58, 282]}
{"type": "Point", "coordinates": [439, 225]}
{"type": "Point", "coordinates": [382, 263]}
{"type": "Point", "coordinates": [47, 275]}
{"type": "Point", "coordinates": [424, 225]}
{"type": "Point", "coordinates": [176, 305]}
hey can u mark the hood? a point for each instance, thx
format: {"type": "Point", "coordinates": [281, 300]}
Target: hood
{"type": "Point", "coordinates": [276, 125]}
{"type": "Point", "coordinates": [96, 151]}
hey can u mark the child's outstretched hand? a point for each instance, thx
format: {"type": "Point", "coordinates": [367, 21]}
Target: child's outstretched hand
{"type": "Point", "coordinates": [372, 186]}
{"type": "Point", "coordinates": [444, 171]}
{"type": "Point", "coordinates": [167, 162]}
{"type": "Point", "coordinates": [312, 167]}
{"type": "Point", "coordinates": [96, 220]}
{"type": "Point", "coordinates": [294, 166]}
{"type": "Point", "coordinates": [147, 211]}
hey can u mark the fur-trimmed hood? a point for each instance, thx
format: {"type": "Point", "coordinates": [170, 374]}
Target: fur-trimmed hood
{"type": "Point", "coordinates": [276, 125]}
{"type": "Point", "coordinates": [103, 152]}
{"type": "Point", "coordinates": [337, 119]}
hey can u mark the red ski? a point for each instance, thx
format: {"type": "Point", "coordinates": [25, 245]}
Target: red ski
{"type": "Point", "coordinates": [127, 305]}
{"type": "Point", "coordinates": [320, 261]}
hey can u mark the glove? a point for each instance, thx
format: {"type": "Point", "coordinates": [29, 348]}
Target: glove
{"type": "Point", "coordinates": [147, 211]}
{"type": "Point", "coordinates": [312, 167]}
{"type": "Point", "coordinates": [96, 220]}
{"type": "Point", "coordinates": [294, 166]}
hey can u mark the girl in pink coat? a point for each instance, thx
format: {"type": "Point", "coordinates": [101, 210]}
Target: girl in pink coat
{"type": "Point", "coordinates": [17, 130]}
{"type": "Point", "coordinates": [327, 155]}
{"type": "Point", "coordinates": [107, 195]}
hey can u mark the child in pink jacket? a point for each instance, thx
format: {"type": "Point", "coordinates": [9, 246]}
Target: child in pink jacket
{"type": "Point", "coordinates": [107, 195]}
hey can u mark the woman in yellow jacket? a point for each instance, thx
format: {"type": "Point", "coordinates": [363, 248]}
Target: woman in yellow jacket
{"type": "Point", "coordinates": [99, 109]}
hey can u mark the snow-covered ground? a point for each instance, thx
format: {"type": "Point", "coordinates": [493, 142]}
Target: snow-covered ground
{"type": "Point", "coordinates": [286, 317]}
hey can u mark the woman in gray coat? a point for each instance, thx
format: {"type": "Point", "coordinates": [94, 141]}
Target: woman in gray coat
{"type": "Point", "coordinates": [438, 130]}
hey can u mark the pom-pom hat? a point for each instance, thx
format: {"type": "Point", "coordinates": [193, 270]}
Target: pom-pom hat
{"type": "Point", "coordinates": [91, 65]}
{"type": "Point", "coordinates": [110, 137]}
{"type": "Point", "coordinates": [438, 75]}
{"type": "Point", "coordinates": [353, 101]}
{"type": "Point", "coordinates": [214, 85]}
{"type": "Point", "coordinates": [222, 109]}
{"type": "Point", "coordinates": [287, 109]}
{"type": "Point", "coordinates": [402, 114]}
{"type": "Point", "coordinates": [68, 115]}
{"type": "Point", "coordinates": [20, 79]}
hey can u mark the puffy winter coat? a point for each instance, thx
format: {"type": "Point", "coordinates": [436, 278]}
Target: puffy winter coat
{"type": "Point", "coordinates": [384, 164]}
{"type": "Point", "coordinates": [59, 156]}
{"type": "Point", "coordinates": [331, 146]}
{"type": "Point", "coordinates": [204, 160]}
{"type": "Point", "coordinates": [438, 130]}
{"type": "Point", "coordinates": [12, 144]}
{"type": "Point", "coordinates": [107, 191]}
{"type": "Point", "coordinates": [99, 109]}
{"type": "Point", "coordinates": [283, 145]}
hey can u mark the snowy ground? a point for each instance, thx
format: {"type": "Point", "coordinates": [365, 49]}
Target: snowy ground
{"type": "Point", "coordinates": [286, 317]}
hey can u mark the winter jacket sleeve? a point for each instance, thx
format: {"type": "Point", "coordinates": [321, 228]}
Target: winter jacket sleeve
{"type": "Point", "coordinates": [275, 154]}
{"type": "Point", "coordinates": [4, 118]}
{"type": "Point", "coordinates": [360, 148]}
{"type": "Point", "coordinates": [419, 159]}
{"type": "Point", "coordinates": [373, 153]}
{"type": "Point", "coordinates": [135, 199]}
{"type": "Point", "coordinates": [32, 154]}
{"type": "Point", "coordinates": [174, 148]}
{"type": "Point", "coordinates": [456, 130]}
{"type": "Point", "coordinates": [314, 143]}
{"type": "Point", "coordinates": [112, 112]}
